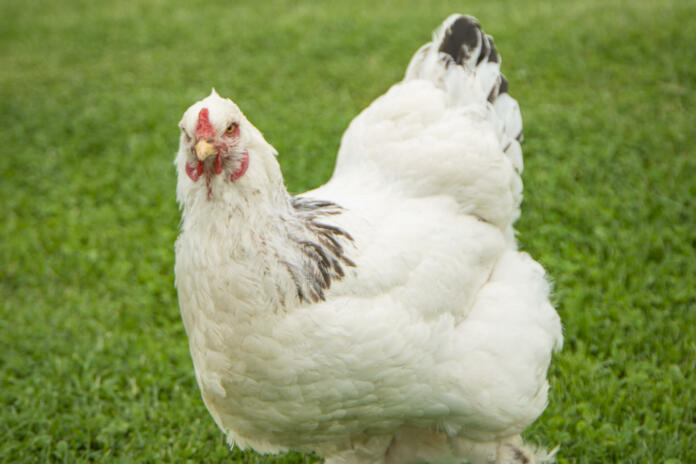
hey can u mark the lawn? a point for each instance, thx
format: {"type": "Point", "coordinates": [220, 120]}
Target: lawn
{"type": "Point", "coordinates": [94, 364]}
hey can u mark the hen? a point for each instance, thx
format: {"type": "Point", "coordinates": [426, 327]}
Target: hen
{"type": "Point", "coordinates": [387, 316]}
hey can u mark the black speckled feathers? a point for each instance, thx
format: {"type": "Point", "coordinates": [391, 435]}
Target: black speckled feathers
{"type": "Point", "coordinates": [321, 246]}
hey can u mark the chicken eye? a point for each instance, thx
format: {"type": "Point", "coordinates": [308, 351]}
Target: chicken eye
{"type": "Point", "coordinates": [231, 129]}
{"type": "Point", "coordinates": [183, 131]}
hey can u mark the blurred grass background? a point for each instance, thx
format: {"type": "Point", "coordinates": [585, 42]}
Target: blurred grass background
{"type": "Point", "coordinates": [94, 364]}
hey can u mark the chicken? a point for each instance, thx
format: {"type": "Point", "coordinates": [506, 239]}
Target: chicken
{"type": "Point", "coordinates": [387, 316]}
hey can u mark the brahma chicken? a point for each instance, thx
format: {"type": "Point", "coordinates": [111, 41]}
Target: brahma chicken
{"type": "Point", "coordinates": [387, 316]}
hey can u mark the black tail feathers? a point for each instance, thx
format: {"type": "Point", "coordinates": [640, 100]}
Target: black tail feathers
{"type": "Point", "coordinates": [466, 43]}
{"type": "Point", "coordinates": [459, 44]}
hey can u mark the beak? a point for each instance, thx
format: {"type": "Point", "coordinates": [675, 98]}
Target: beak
{"type": "Point", "coordinates": [204, 149]}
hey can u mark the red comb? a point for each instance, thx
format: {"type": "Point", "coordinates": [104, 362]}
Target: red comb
{"type": "Point", "coordinates": [204, 129]}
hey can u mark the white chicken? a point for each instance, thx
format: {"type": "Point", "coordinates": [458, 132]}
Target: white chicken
{"type": "Point", "coordinates": [387, 316]}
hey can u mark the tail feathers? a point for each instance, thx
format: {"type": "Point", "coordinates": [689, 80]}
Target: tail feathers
{"type": "Point", "coordinates": [464, 61]}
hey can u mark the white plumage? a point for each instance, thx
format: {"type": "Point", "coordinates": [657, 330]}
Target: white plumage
{"type": "Point", "coordinates": [387, 316]}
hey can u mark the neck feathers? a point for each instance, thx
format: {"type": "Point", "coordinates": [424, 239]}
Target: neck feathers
{"type": "Point", "coordinates": [318, 248]}
{"type": "Point", "coordinates": [286, 245]}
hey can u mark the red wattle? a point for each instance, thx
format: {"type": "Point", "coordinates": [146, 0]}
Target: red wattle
{"type": "Point", "coordinates": [218, 164]}
{"type": "Point", "coordinates": [194, 172]}
{"type": "Point", "coordinates": [242, 169]}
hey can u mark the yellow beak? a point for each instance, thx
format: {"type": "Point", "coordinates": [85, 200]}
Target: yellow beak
{"type": "Point", "coordinates": [204, 149]}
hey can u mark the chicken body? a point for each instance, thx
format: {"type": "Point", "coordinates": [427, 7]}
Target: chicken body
{"type": "Point", "coordinates": [386, 316]}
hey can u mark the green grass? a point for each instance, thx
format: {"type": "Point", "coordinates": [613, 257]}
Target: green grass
{"type": "Point", "coordinates": [94, 364]}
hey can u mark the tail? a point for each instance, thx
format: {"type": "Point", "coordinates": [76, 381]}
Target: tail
{"type": "Point", "coordinates": [463, 61]}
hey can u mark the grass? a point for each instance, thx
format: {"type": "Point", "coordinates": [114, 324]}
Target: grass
{"type": "Point", "coordinates": [94, 365]}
